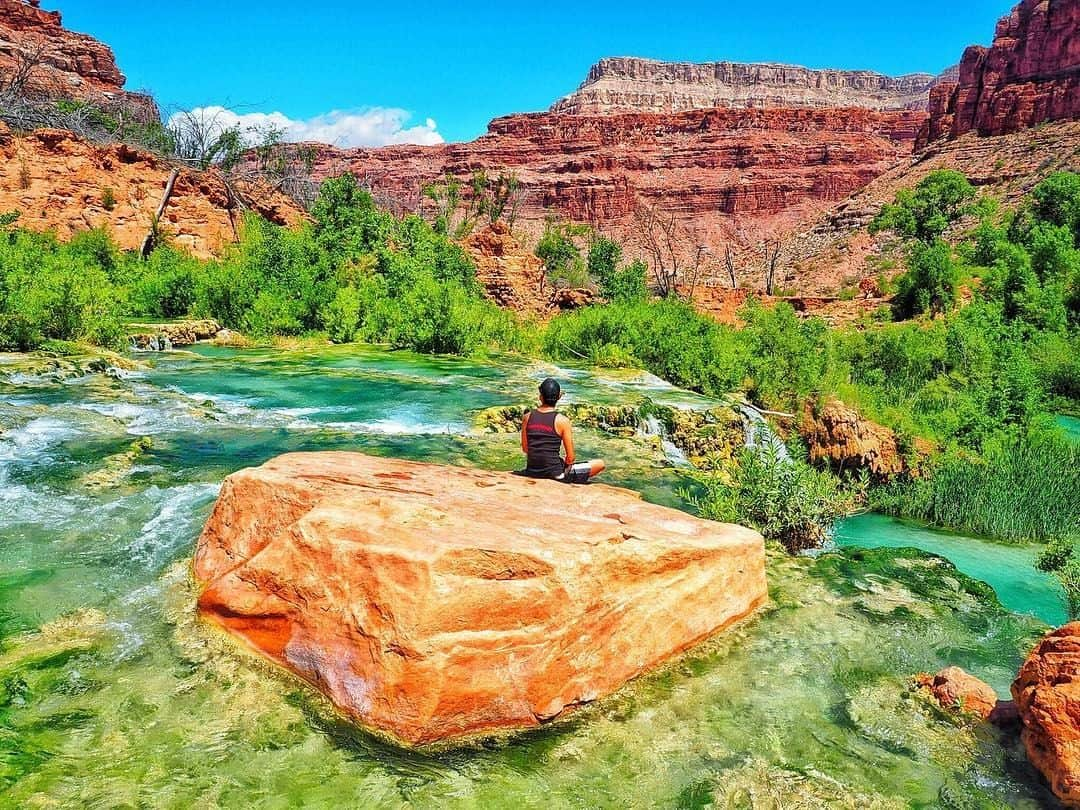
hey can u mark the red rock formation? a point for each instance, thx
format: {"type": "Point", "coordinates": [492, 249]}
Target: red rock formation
{"type": "Point", "coordinates": [512, 276]}
{"type": "Point", "coordinates": [716, 169]}
{"type": "Point", "coordinates": [627, 84]}
{"type": "Point", "coordinates": [1047, 695]}
{"type": "Point", "coordinates": [839, 436]}
{"type": "Point", "coordinates": [1031, 74]}
{"type": "Point", "coordinates": [434, 602]}
{"type": "Point", "coordinates": [58, 63]}
{"type": "Point", "coordinates": [59, 182]}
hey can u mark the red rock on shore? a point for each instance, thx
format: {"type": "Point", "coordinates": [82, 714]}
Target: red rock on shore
{"type": "Point", "coordinates": [432, 602]}
{"type": "Point", "coordinates": [1047, 695]}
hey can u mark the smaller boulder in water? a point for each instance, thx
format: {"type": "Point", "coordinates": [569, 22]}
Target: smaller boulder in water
{"type": "Point", "coordinates": [956, 690]}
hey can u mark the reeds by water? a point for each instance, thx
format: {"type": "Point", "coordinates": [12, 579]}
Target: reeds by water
{"type": "Point", "coordinates": [1023, 489]}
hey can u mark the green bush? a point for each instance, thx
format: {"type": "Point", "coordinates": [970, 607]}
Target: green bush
{"type": "Point", "coordinates": [1023, 488]}
{"type": "Point", "coordinates": [667, 337]}
{"type": "Point", "coordinates": [785, 499]}
{"type": "Point", "coordinates": [930, 283]}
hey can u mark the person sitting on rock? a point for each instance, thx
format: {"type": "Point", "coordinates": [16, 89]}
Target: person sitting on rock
{"type": "Point", "coordinates": [544, 433]}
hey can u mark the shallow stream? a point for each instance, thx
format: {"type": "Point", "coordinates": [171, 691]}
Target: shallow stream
{"type": "Point", "coordinates": [113, 695]}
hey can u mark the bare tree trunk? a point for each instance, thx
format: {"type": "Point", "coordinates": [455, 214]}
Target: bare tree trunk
{"type": "Point", "coordinates": [772, 256]}
{"type": "Point", "coordinates": [151, 236]}
{"type": "Point", "coordinates": [729, 262]}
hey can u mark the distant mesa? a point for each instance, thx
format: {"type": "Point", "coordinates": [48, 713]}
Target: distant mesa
{"type": "Point", "coordinates": [628, 84]}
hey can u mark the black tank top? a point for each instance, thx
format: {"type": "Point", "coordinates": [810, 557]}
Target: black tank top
{"type": "Point", "coordinates": [545, 446]}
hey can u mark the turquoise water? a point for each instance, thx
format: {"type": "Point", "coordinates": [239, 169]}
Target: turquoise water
{"type": "Point", "coordinates": [113, 694]}
{"type": "Point", "coordinates": [1071, 426]}
{"type": "Point", "coordinates": [1008, 569]}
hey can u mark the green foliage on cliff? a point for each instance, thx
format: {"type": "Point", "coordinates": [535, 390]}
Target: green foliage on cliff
{"type": "Point", "coordinates": [356, 272]}
{"type": "Point", "coordinates": [927, 211]}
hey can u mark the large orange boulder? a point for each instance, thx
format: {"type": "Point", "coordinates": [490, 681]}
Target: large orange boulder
{"type": "Point", "coordinates": [1047, 695]}
{"type": "Point", "coordinates": [432, 602]}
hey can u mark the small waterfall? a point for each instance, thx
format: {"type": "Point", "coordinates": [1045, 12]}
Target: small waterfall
{"type": "Point", "coordinates": [760, 434]}
{"type": "Point", "coordinates": [151, 343]}
{"type": "Point", "coordinates": [651, 426]}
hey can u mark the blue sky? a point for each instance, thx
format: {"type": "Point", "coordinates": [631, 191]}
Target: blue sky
{"type": "Point", "coordinates": [460, 65]}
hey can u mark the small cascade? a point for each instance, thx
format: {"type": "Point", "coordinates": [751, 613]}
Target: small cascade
{"type": "Point", "coordinates": [759, 433]}
{"type": "Point", "coordinates": [151, 343]}
{"type": "Point", "coordinates": [652, 427]}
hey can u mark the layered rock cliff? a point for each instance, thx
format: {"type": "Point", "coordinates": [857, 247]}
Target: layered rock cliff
{"type": "Point", "coordinates": [39, 58]}
{"type": "Point", "coordinates": [1029, 75]}
{"type": "Point", "coordinates": [625, 84]}
{"type": "Point", "coordinates": [717, 170]}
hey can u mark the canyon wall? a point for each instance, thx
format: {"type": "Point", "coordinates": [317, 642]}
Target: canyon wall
{"type": "Point", "coordinates": [717, 170]}
{"type": "Point", "coordinates": [39, 58]}
{"type": "Point", "coordinates": [626, 84]}
{"type": "Point", "coordinates": [1028, 76]}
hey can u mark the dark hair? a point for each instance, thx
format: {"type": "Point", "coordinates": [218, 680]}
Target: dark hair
{"type": "Point", "coordinates": [550, 391]}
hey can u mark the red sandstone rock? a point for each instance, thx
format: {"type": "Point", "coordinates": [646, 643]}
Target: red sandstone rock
{"type": "Point", "coordinates": [1047, 695]}
{"type": "Point", "coordinates": [512, 276]}
{"type": "Point", "coordinates": [66, 64]}
{"type": "Point", "coordinates": [433, 602]}
{"type": "Point", "coordinates": [58, 181]}
{"type": "Point", "coordinates": [956, 690]}
{"type": "Point", "coordinates": [1031, 74]}
{"type": "Point", "coordinates": [838, 435]}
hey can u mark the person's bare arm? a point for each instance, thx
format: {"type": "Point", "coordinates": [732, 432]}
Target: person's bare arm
{"type": "Point", "coordinates": [564, 429]}
{"type": "Point", "coordinates": [525, 435]}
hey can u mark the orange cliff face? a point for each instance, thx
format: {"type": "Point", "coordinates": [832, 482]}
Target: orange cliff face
{"type": "Point", "coordinates": [58, 63]}
{"type": "Point", "coordinates": [1028, 76]}
{"type": "Point", "coordinates": [718, 170]}
{"type": "Point", "coordinates": [59, 182]}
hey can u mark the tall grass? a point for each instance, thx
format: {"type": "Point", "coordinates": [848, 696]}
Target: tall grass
{"type": "Point", "coordinates": [1024, 488]}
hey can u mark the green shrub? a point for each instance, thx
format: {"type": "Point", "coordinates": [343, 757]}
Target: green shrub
{"type": "Point", "coordinates": [341, 317]}
{"type": "Point", "coordinates": [930, 283]}
{"type": "Point", "coordinates": [667, 337]}
{"type": "Point", "coordinates": [785, 499]}
{"type": "Point", "coordinates": [1023, 488]}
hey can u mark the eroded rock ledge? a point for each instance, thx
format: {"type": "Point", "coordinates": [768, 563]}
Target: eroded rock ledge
{"type": "Point", "coordinates": [432, 603]}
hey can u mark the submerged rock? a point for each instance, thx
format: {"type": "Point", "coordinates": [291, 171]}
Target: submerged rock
{"type": "Point", "coordinates": [958, 691]}
{"type": "Point", "coordinates": [431, 602]}
{"type": "Point", "coordinates": [1047, 694]}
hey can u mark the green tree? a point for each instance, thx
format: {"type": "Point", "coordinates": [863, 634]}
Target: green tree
{"type": "Point", "coordinates": [1057, 200]}
{"type": "Point", "coordinates": [930, 284]}
{"type": "Point", "coordinates": [928, 210]}
{"type": "Point", "coordinates": [561, 255]}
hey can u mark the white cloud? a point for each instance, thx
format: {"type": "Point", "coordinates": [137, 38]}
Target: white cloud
{"type": "Point", "coordinates": [374, 126]}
